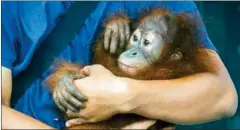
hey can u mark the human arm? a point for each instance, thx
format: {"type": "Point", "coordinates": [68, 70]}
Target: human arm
{"type": "Point", "coordinates": [178, 101]}
{"type": "Point", "coordinates": [12, 119]}
{"type": "Point", "coordinates": [199, 77]}
{"type": "Point", "coordinates": [194, 99]}
{"type": "Point", "coordinates": [213, 86]}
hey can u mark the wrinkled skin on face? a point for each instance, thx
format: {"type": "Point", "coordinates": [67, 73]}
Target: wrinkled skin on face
{"type": "Point", "coordinates": [146, 44]}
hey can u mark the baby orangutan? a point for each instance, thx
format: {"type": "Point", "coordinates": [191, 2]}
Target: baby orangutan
{"type": "Point", "coordinates": [163, 46]}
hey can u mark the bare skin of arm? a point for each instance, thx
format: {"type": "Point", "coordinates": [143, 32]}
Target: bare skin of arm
{"type": "Point", "coordinates": [12, 119]}
{"type": "Point", "coordinates": [194, 99]}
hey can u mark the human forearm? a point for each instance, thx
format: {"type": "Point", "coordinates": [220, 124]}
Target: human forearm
{"type": "Point", "coordinates": [193, 99]}
{"type": "Point", "coordinates": [12, 119]}
{"type": "Point", "coordinates": [189, 100]}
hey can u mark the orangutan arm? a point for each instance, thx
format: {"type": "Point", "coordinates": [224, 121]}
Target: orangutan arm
{"type": "Point", "coordinates": [65, 94]}
{"type": "Point", "coordinates": [194, 99]}
{"type": "Point", "coordinates": [62, 69]}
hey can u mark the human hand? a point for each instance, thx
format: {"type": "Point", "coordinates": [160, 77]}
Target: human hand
{"type": "Point", "coordinates": [66, 95]}
{"type": "Point", "coordinates": [116, 29]}
{"type": "Point", "coordinates": [143, 125]}
{"type": "Point", "coordinates": [106, 93]}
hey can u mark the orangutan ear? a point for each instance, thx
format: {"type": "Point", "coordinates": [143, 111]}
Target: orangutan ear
{"type": "Point", "coordinates": [176, 56]}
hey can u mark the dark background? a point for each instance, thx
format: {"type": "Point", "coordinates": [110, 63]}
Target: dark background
{"type": "Point", "coordinates": [223, 24]}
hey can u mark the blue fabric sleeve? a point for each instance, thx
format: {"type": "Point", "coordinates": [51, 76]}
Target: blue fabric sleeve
{"type": "Point", "coordinates": [8, 36]}
{"type": "Point", "coordinates": [202, 35]}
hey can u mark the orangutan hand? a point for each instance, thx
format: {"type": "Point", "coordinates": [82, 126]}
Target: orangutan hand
{"type": "Point", "coordinates": [67, 96]}
{"type": "Point", "coordinates": [117, 29]}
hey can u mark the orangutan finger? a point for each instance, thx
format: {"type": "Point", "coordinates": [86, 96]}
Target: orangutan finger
{"type": "Point", "coordinates": [71, 99]}
{"type": "Point", "coordinates": [67, 81]}
{"type": "Point", "coordinates": [114, 38]}
{"type": "Point", "coordinates": [58, 103]}
{"type": "Point", "coordinates": [114, 42]}
{"type": "Point", "coordinates": [127, 31]}
{"type": "Point", "coordinates": [73, 91]}
{"type": "Point", "coordinates": [64, 103]}
{"type": "Point", "coordinates": [107, 36]}
{"type": "Point", "coordinates": [122, 35]}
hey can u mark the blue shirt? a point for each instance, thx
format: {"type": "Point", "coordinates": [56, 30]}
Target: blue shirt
{"type": "Point", "coordinates": [24, 24]}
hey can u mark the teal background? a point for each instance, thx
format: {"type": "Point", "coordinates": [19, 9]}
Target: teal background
{"type": "Point", "coordinates": [223, 24]}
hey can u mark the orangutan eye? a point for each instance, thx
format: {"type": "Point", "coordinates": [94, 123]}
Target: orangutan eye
{"type": "Point", "coordinates": [146, 42]}
{"type": "Point", "coordinates": [135, 38]}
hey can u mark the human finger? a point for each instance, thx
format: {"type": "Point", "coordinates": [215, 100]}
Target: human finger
{"type": "Point", "coordinates": [91, 69]}
{"type": "Point", "coordinates": [76, 121]}
{"type": "Point", "coordinates": [140, 124]}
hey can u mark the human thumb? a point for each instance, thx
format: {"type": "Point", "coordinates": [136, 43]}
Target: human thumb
{"type": "Point", "coordinates": [94, 69]}
{"type": "Point", "coordinates": [86, 70]}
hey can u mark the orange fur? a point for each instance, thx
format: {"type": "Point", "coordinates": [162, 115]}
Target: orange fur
{"type": "Point", "coordinates": [61, 70]}
{"type": "Point", "coordinates": [152, 12]}
{"type": "Point", "coordinates": [193, 61]}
